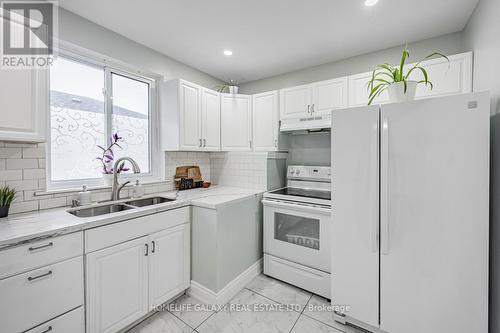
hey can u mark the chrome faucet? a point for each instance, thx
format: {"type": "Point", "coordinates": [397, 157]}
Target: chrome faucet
{"type": "Point", "coordinates": [117, 187]}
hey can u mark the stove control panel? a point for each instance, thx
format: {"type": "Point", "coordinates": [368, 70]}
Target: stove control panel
{"type": "Point", "coordinates": [319, 173]}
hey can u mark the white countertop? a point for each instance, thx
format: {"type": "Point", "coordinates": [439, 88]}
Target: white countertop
{"type": "Point", "coordinates": [23, 227]}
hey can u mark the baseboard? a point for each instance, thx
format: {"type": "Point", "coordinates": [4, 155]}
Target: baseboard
{"type": "Point", "coordinates": [208, 296]}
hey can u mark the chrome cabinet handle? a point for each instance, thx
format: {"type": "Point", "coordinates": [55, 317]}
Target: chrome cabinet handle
{"type": "Point", "coordinates": [153, 249]}
{"type": "Point", "coordinates": [312, 109]}
{"type": "Point", "coordinates": [147, 249]}
{"type": "Point", "coordinates": [276, 143]}
{"type": "Point", "coordinates": [47, 330]}
{"type": "Point", "coordinates": [204, 142]}
{"type": "Point", "coordinates": [201, 143]}
{"type": "Point", "coordinates": [308, 108]}
{"type": "Point", "coordinates": [41, 247]}
{"type": "Point", "coordinates": [31, 278]}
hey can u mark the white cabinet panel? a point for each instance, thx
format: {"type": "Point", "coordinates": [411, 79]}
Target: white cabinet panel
{"type": "Point", "coordinates": [359, 92]}
{"type": "Point", "coordinates": [117, 286]}
{"type": "Point", "coordinates": [295, 102]}
{"type": "Point", "coordinates": [168, 264]}
{"type": "Point", "coordinates": [24, 104]}
{"type": "Point", "coordinates": [32, 298]}
{"type": "Point", "coordinates": [265, 121]}
{"type": "Point", "coordinates": [190, 115]}
{"type": "Point", "coordinates": [236, 122]}
{"type": "Point", "coordinates": [329, 95]}
{"type": "Point", "coordinates": [71, 322]}
{"type": "Point", "coordinates": [210, 120]}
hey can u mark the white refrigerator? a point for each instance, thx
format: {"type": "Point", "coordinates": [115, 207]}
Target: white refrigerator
{"type": "Point", "coordinates": [410, 215]}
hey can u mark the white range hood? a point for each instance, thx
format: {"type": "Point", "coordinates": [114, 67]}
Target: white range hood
{"type": "Point", "coordinates": [306, 123]}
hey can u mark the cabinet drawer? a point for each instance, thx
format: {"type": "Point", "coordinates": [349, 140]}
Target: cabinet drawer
{"type": "Point", "coordinates": [40, 253]}
{"type": "Point", "coordinates": [71, 322]}
{"type": "Point", "coordinates": [32, 298]}
{"type": "Point", "coordinates": [112, 234]}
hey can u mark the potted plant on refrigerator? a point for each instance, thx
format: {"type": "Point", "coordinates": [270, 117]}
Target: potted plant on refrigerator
{"type": "Point", "coordinates": [398, 81]}
{"type": "Point", "coordinates": [108, 157]}
{"type": "Point", "coordinates": [7, 195]}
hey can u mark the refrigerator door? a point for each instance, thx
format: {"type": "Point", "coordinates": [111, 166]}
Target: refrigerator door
{"type": "Point", "coordinates": [355, 223]}
{"type": "Point", "coordinates": [434, 215]}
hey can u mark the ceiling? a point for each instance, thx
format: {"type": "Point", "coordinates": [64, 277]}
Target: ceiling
{"type": "Point", "coordinates": [270, 37]}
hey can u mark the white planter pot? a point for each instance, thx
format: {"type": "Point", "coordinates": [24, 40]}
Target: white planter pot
{"type": "Point", "coordinates": [233, 89]}
{"type": "Point", "coordinates": [397, 92]}
{"type": "Point", "coordinates": [108, 179]}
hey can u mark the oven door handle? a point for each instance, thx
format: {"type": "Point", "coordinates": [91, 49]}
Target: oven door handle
{"type": "Point", "coordinates": [296, 206]}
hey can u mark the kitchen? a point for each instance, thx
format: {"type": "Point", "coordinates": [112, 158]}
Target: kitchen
{"type": "Point", "coordinates": [236, 183]}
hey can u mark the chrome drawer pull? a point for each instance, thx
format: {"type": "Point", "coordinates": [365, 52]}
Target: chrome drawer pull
{"type": "Point", "coordinates": [47, 330]}
{"type": "Point", "coordinates": [41, 247]}
{"type": "Point", "coordinates": [31, 278]}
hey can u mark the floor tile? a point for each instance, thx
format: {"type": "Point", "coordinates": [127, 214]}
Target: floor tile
{"type": "Point", "coordinates": [279, 291]}
{"type": "Point", "coordinates": [190, 310]}
{"type": "Point", "coordinates": [246, 314]}
{"type": "Point", "coordinates": [161, 322]}
{"type": "Point", "coordinates": [309, 325]}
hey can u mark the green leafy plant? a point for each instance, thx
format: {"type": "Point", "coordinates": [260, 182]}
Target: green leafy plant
{"type": "Point", "coordinates": [384, 75]}
{"type": "Point", "coordinates": [220, 88]}
{"type": "Point", "coordinates": [7, 195]}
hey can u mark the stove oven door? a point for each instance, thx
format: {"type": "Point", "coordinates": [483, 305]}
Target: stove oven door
{"type": "Point", "coordinates": [298, 233]}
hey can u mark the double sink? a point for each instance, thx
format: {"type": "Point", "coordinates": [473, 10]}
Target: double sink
{"type": "Point", "coordinates": [117, 207]}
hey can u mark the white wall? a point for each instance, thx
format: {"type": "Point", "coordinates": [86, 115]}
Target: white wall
{"type": "Point", "coordinates": [447, 44]}
{"type": "Point", "coordinates": [482, 34]}
{"type": "Point", "coordinates": [77, 30]}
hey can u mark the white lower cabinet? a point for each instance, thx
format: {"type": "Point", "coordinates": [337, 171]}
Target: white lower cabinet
{"type": "Point", "coordinates": [71, 322]}
{"type": "Point", "coordinates": [34, 297]}
{"type": "Point", "coordinates": [168, 264]}
{"type": "Point", "coordinates": [125, 281]}
{"type": "Point", "coordinates": [117, 286]}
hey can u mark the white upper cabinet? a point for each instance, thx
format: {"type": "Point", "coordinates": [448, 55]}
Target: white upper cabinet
{"type": "Point", "coordinates": [266, 121]}
{"type": "Point", "coordinates": [190, 117]}
{"type": "Point", "coordinates": [295, 102]}
{"type": "Point", "coordinates": [329, 95]}
{"type": "Point", "coordinates": [24, 104]}
{"type": "Point", "coordinates": [450, 78]}
{"type": "Point", "coordinates": [236, 122]}
{"type": "Point", "coordinates": [210, 120]}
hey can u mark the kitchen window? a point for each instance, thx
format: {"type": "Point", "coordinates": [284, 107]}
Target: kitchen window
{"type": "Point", "coordinates": [89, 103]}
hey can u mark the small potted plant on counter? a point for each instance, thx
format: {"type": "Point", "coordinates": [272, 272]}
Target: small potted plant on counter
{"type": "Point", "coordinates": [7, 195]}
{"type": "Point", "coordinates": [396, 81]}
{"type": "Point", "coordinates": [108, 157]}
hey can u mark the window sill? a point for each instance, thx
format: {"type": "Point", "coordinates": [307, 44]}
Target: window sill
{"type": "Point", "coordinates": [97, 188]}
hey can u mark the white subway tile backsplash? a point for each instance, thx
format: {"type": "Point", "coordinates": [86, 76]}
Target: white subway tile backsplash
{"type": "Point", "coordinates": [25, 206]}
{"type": "Point", "coordinates": [11, 174]}
{"type": "Point", "coordinates": [19, 163]}
{"type": "Point", "coordinates": [21, 185]}
{"type": "Point", "coordinates": [2, 164]}
{"type": "Point", "coordinates": [33, 173]}
{"type": "Point", "coordinates": [10, 152]}
{"type": "Point", "coordinates": [52, 203]}
{"type": "Point", "coordinates": [38, 152]}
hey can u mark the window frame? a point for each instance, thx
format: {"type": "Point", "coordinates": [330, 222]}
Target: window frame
{"type": "Point", "coordinates": [110, 66]}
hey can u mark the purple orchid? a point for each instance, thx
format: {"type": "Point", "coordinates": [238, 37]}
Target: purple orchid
{"type": "Point", "coordinates": [107, 157]}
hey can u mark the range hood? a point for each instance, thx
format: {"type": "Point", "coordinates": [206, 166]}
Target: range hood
{"type": "Point", "coordinates": [306, 123]}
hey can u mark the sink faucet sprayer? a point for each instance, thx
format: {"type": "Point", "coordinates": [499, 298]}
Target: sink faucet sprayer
{"type": "Point", "coordinates": [117, 187]}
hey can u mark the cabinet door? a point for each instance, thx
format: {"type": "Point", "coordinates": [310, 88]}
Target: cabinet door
{"type": "Point", "coordinates": [210, 120]}
{"type": "Point", "coordinates": [449, 78]}
{"type": "Point", "coordinates": [236, 122]}
{"type": "Point", "coordinates": [24, 104]}
{"type": "Point", "coordinates": [190, 116]}
{"type": "Point", "coordinates": [295, 102]}
{"type": "Point", "coordinates": [265, 121]}
{"type": "Point", "coordinates": [329, 95]}
{"type": "Point", "coordinates": [117, 286]}
{"type": "Point", "coordinates": [359, 93]}
{"type": "Point", "coordinates": [168, 264]}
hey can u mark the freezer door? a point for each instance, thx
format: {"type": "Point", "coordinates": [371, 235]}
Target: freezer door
{"type": "Point", "coordinates": [355, 223]}
{"type": "Point", "coordinates": [434, 215]}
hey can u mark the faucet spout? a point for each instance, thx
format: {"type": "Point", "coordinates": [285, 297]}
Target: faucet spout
{"type": "Point", "coordinates": [117, 187]}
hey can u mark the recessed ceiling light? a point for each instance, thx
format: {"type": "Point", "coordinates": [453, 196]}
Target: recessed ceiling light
{"type": "Point", "coordinates": [228, 52]}
{"type": "Point", "coordinates": [369, 3]}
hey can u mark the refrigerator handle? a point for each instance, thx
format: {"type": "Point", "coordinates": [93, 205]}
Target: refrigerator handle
{"type": "Point", "coordinates": [375, 187]}
{"type": "Point", "coordinates": [384, 189]}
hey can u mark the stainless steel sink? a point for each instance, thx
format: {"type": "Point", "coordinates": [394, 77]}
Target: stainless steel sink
{"type": "Point", "coordinates": [99, 210]}
{"type": "Point", "coordinates": [148, 201]}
